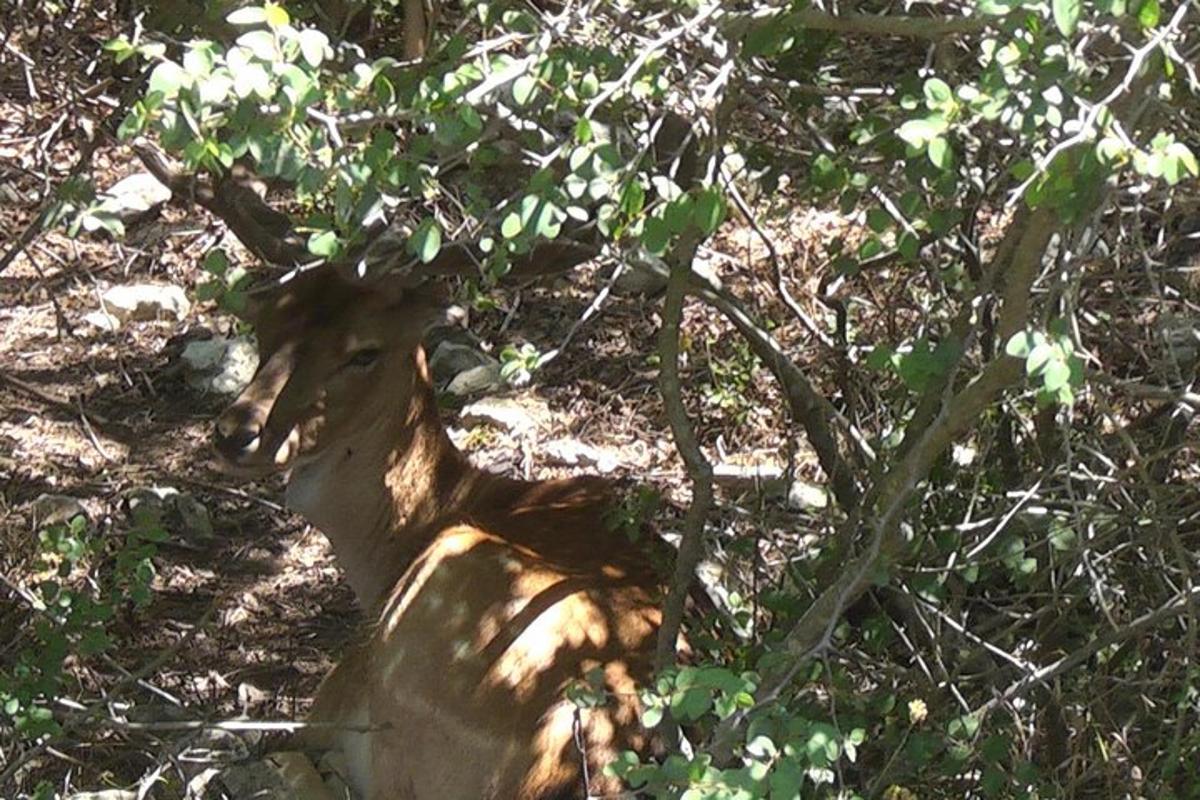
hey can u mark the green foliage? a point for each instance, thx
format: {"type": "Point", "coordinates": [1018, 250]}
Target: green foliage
{"type": "Point", "coordinates": [517, 364]}
{"type": "Point", "coordinates": [86, 581]}
{"type": "Point", "coordinates": [732, 378]}
{"type": "Point", "coordinates": [1051, 362]}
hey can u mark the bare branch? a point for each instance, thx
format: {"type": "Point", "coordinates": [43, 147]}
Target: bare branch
{"type": "Point", "coordinates": [1175, 607]}
{"type": "Point", "coordinates": [933, 27]}
{"type": "Point", "coordinates": [808, 406]}
{"type": "Point", "coordinates": [691, 548]}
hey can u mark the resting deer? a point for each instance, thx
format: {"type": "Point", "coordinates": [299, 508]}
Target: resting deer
{"type": "Point", "coordinates": [487, 596]}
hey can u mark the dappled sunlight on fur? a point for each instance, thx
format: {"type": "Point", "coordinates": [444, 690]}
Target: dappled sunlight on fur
{"type": "Point", "coordinates": [489, 596]}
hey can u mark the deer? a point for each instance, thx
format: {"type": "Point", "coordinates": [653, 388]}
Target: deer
{"type": "Point", "coordinates": [486, 596]}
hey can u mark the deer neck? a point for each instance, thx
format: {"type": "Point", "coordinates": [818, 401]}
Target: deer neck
{"type": "Point", "coordinates": [381, 494]}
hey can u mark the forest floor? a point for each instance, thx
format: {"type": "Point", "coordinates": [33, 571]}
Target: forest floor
{"type": "Point", "coordinates": [247, 621]}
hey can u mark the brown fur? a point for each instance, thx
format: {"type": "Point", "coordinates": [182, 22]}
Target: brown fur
{"type": "Point", "coordinates": [488, 596]}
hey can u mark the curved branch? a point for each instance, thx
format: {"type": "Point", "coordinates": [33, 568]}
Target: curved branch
{"type": "Point", "coordinates": [691, 544]}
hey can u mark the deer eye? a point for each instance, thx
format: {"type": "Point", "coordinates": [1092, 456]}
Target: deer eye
{"type": "Point", "coordinates": [364, 358]}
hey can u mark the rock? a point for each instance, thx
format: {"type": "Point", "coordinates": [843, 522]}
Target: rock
{"type": "Point", "coordinates": [476, 380]}
{"type": "Point", "coordinates": [180, 514]}
{"type": "Point", "coordinates": [146, 301]}
{"type": "Point", "coordinates": [803, 495]}
{"type": "Point", "coordinates": [649, 276]}
{"type": "Point", "coordinates": [574, 453]}
{"type": "Point", "coordinates": [57, 509]}
{"type": "Point", "coordinates": [640, 279]}
{"type": "Point", "coordinates": [130, 200]}
{"type": "Point", "coordinates": [278, 776]}
{"type": "Point", "coordinates": [102, 320]}
{"type": "Point", "coordinates": [220, 365]}
{"type": "Point", "coordinates": [508, 414]}
{"type": "Point", "coordinates": [747, 477]}
{"type": "Point", "coordinates": [451, 359]}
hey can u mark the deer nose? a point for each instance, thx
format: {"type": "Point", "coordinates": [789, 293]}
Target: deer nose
{"type": "Point", "coordinates": [238, 432]}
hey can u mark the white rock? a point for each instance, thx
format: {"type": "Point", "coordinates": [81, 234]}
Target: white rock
{"type": "Point", "coordinates": [135, 195]}
{"type": "Point", "coordinates": [220, 365]}
{"type": "Point", "coordinates": [145, 301]}
{"type": "Point", "coordinates": [508, 414]}
{"type": "Point", "coordinates": [102, 320]}
{"type": "Point", "coordinates": [802, 495]}
{"type": "Point", "coordinates": [574, 453]}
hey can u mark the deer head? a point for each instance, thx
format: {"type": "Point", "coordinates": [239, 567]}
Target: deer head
{"type": "Point", "coordinates": [326, 345]}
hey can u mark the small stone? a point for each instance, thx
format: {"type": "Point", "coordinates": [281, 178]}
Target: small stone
{"type": "Point", "coordinates": [747, 477]}
{"type": "Point", "coordinates": [57, 509]}
{"type": "Point", "coordinates": [802, 495]}
{"type": "Point", "coordinates": [640, 280]}
{"type": "Point", "coordinates": [146, 301]}
{"type": "Point", "coordinates": [450, 359]}
{"type": "Point", "coordinates": [476, 380]}
{"type": "Point", "coordinates": [103, 321]}
{"type": "Point", "coordinates": [180, 514]}
{"type": "Point", "coordinates": [220, 365]}
{"type": "Point", "coordinates": [574, 453]}
{"type": "Point", "coordinates": [131, 199]}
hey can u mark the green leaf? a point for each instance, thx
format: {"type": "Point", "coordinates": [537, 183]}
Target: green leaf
{"type": "Point", "coordinates": [678, 214]}
{"type": "Point", "coordinates": [216, 262]}
{"type": "Point", "coordinates": [690, 704]}
{"type": "Point", "coordinates": [996, 8]}
{"type": "Point", "coordinates": [656, 236]}
{"type": "Point", "coordinates": [131, 126]}
{"type": "Point", "coordinates": [549, 219]}
{"type": "Point", "coordinates": [1039, 357]}
{"type": "Point", "coordinates": [633, 198]}
{"type": "Point", "coordinates": [871, 247]}
{"type": "Point", "coordinates": [652, 716]}
{"type": "Point", "coordinates": [118, 45]}
{"type": "Point", "coordinates": [260, 43]}
{"type": "Point", "coordinates": [708, 211]}
{"type": "Point", "coordinates": [324, 244]}
{"type": "Point", "coordinates": [253, 79]}
{"type": "Point", "coordinates": [1183, 158]}
{"type": "Point", "coordinates": [1023, 342]}
{"type": "Point", "coordinates": [1056, 375]}
{"type": "Point", "coordinates": [167, 78]}
{"type": "Point", "coordinates": [426, 241]}
{"type": "Point", "coordinates": [511, 227]}
{"type": "Point", "coordinates": [940, 154]}
{"type": "Point", "coordinates": [786, 781]}
{"type": "Point", "coordinates": [583, 130]}
{"type": "Point", "coordinates": [918, 132]}
{"type": "Point", "coordinates": [523, 89]}
{"type": "Point", "coordinates": [313, 46]}
{"type": "Point", "coordinates": [198, 60]}
{"type": "Point", "coordinates": [1066, 15]}
{"type": "Point", "coordinates": [937, 93]}
{"type": "Point", "coordinates": [251, 15]}
{"type": "Point", "coordinates": [1149, 13]}
{"type": "Point", "coordinates": [878, 220]}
